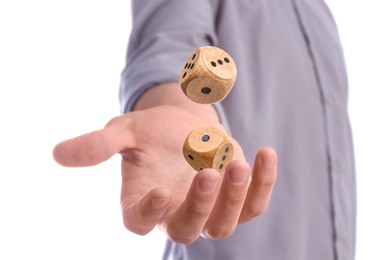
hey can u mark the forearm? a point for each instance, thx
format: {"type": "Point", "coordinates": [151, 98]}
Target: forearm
{"type": "Point", "coordinates": [171, 94]}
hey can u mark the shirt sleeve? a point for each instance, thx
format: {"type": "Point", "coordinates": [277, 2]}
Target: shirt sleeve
{"type": "Point", "coordinates": [164, 34]}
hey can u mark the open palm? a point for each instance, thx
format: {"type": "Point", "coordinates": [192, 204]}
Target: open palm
{"type": "Point", "coordinates": [160, 188]}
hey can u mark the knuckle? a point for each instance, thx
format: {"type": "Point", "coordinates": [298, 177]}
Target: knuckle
{"type": "Point", "coordinates": [148, 217]}
{"type": "Point", "coordinates": [142, 231]}
{"type": "Point", "coordinates": [198, 210]}
{"type": "Point", "coordinates": [254, 211]}
{"type": "Point", "coordinates": [263, 184]}
{"type": "Point", "coordinates": [219, 233]}
{"type": "Point", "coordinates": [234, 196]}
{"type": "Point", "coordinates": [179, 237]}
{"type": "Point", "coordinates": [112, 121]}
{"type": "Point", "coordinates": [234, 201]}
{"type": "Point", "coordinates": [132, 223]}
{"type": "Point", "coordinates": [269, 183]}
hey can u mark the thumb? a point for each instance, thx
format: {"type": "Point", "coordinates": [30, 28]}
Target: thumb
{"type": "Point", "coordinates": [95, 147]}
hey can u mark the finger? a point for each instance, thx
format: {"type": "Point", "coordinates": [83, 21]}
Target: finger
{"type": "Point", "coordinates": [187, 223]}
{"type": "Point", "coordinates": [224, 217]}
{"type": "Point", "coordinates": [142, 216]}
{"type": "Point", "coordinates": [260, 189]}
{"type": "Point", "coordinates": [98, 146]}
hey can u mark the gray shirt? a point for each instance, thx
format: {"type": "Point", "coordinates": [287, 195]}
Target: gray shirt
{"type": "Point", "coordinates": [290, 94]}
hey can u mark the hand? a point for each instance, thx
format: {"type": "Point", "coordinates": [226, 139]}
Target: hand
{"type": "Point", "coordinates": [160, 188]}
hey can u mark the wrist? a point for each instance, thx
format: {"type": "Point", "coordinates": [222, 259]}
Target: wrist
{"type": "Point", "coordinates": [170, 94]}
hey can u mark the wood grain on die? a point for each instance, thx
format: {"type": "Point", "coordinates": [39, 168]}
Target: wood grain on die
{"type": "Point", "coordinates": [208, 75]}
{"type": "Point", "coordinates": [208, 147]}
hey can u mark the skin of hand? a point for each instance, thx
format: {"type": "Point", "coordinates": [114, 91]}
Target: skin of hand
{"type": "Point", "coordinates": [158, 186]}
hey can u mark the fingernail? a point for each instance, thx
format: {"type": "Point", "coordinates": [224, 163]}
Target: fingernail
{"type": "Point", "coordinates": [207, 185]}
{"type": "Point", "coordinates": [237, 176]}
{"type": "Point", "coordinates": [159, 203]}
{"type": "Point", "coordinates": [268, 161]}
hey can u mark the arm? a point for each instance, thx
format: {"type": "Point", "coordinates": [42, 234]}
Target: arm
{"type": "Point", "coordinates": [158, 186]}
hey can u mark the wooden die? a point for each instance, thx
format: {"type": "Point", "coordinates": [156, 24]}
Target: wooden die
{"type": "Point", "coordinates": [208, 147]}
{"type": "Point", "coordinates": [208, 75]}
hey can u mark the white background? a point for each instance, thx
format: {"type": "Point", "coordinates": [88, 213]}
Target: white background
{"type": "Point", "coordinates": [59, 75]}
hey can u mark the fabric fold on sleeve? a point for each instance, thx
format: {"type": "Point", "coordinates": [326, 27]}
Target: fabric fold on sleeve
{"type": "Point", "coordinates": [158, 47]}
